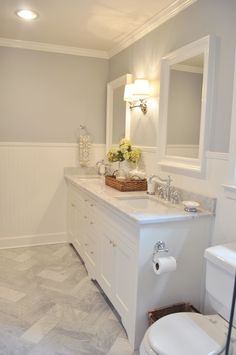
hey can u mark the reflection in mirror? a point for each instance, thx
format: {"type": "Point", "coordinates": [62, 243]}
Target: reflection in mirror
{"type": "Point", "coordinates": [118, 113]}
{"type": "Point", "coordinates": [184, 108]}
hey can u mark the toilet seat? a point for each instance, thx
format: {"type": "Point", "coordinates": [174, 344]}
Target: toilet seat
{"type": "Point", "coordinates": [184, 334]}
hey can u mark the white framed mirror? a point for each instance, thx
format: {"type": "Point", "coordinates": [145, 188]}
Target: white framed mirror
{"type": "Point", "coordinates": [185, 110]}
{"type": "Point", "coordinates": [118, 112]}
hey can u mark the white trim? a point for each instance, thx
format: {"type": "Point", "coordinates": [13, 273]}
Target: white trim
{"type": "Point", "coordinates": [187, 68]}
{"type": "Point", "coordinates": [52, 48]}
{"type": "Point", "coordinates": [217, 155]}
{"type": "Point", "coordinates": [46, 145]}
{"type": "Point", "coordinates": [205, 46]}
{"type": "Point", "coordinates": [33, 240]}
{"type": "Point", "coordinates": [157, 20]}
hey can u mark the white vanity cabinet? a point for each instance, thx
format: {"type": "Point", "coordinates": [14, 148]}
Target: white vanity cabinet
{"type": "Point", "coordinates": [103, 242]}
{"type": "Point", "coordinates": [117, 264]}
{"type": "Point", "coordinates": [81, 228]}
{"type": "Point", "coordinates": [117, 252]}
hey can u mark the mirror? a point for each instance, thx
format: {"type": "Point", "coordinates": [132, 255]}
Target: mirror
{"type": "Point", "coordinates": [118, 112]}
{"type": "Point", "coordinates": [185, 105]}
{"type": "Point", "coordinates": [184, 108]}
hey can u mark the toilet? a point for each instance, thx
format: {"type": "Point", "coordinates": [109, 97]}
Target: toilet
{"type": "Point", "coordinates": [196, 334]}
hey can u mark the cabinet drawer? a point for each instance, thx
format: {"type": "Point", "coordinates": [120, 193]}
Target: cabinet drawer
{"type": "Point", "coordinates": [115, 227]}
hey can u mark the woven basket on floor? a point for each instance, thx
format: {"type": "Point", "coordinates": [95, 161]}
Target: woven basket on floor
{"type": "Point", "coordinates": [153, 316]}
{"type": "Point", "coordinates": [126, 185]}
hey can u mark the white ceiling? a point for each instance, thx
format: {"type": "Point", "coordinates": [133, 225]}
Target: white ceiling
{"type": "Point", "coordinates": [93, 24]}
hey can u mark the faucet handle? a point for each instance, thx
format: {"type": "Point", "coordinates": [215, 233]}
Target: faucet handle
{"type": "Point", "coordinates": [99, 162]}
{"type": "Point", "coordinates": [101, 166]}
{"type": "Point", "coordinates": [160, 192]}
{"type": "Point", "coordinates": [175, 196]}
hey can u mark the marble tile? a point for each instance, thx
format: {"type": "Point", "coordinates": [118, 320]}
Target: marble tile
{"type": "Point", "coordinates": [62, 343]}
{"type": "Point", "coordinates": [49, 306]}
{"type": "Point", "coordinates": [10, 295]}
{"type": "Point", "coordinates": [24, 256]}
{"type": "Point", "coordinates": [121, 346]}
{"type": "Point", "coordinates": [12, 345]}
{"type": "Point", "coordinates": [62, 251]}
{"type": "Point", "coordinates": [12, 325]}
{"type": "Point", "coordinates": [26, 265]}
{"type": "Point", "coordinates": [53, 275]}
{"type": "Point", "coordinates": [38, 331]}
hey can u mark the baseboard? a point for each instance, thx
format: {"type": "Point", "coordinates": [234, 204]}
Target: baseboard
{"type": "Point", "coordinates": [33, 240]}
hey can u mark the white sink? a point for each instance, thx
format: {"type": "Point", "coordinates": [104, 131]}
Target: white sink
{"type": "Point", "coordinates": [140, 202]}
{"type": "Point", "coordinates": [92, 182]}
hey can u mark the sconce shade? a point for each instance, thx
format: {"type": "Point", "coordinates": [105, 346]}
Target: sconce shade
{"type": "Point", "coordinates": [129, 92]}
{"type": "Point", "coordinates": [137, 93]}
{"type": "Point", "coordinates": [141, 89]}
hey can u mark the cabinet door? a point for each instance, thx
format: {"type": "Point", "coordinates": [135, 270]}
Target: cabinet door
{"type": "Point", "coordinates": [78, 241]}
{"type": "Point", "coordinates": [74, 221]}
{"type": "Point", "coordinates": [72, 225]}
{"type": "Point", "coordinates": [124, 280]}
{"type": "Point", "coordinates": [91, 256]}
{"type": "Point", "coordinates": [107, 268]}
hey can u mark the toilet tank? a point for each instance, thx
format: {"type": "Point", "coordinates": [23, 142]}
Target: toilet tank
{"type": "Point", "coordinates": [220, 274]}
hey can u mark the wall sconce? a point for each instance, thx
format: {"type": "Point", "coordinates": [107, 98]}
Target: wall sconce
{"type": "Point", "coordinates": [137, 93]}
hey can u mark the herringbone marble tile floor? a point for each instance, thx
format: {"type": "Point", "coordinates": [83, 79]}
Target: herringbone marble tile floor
{"type": "Point", "coordinates": [49, 306]}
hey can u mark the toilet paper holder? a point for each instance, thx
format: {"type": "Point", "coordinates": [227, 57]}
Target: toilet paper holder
{"type": "Point", "coordinates": [160, 247]}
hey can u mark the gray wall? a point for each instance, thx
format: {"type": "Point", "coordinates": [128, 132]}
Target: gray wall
{"type": "Point", "coordinates": [44, 97]}
{"type": "Point", "coordinates": [184, 108]}
{"type": "Point", "coordinates": [216, 17]}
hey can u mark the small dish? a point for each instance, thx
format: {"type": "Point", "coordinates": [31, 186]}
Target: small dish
{"type": "Point", "coordinates": [190, 206]}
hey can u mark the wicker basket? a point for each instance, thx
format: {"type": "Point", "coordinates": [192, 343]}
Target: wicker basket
{"type": "Point", "coordinates": [153, 316]}
{"type": "Point", "coordinates": [126, 185]}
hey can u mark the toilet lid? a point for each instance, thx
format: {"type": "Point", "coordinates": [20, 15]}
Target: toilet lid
{"type": "Point", "coordinates": [188, 333]}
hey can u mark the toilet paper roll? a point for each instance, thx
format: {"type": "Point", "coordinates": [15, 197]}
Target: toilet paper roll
{"type": "Point", "coordinates": [162, 265]}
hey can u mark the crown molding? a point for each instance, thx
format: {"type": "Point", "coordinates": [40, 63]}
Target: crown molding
{"type": "Point", "coordinates": [157, 20]}
{"type": "Point", "coordinates": [52, 48]}
{"type": "Point", "coordinates": [124, 41]}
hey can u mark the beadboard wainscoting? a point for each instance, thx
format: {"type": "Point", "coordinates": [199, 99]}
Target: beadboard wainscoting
{"type": "Point", "coordinates": [33, 191]}
{"type": "Point", "coordinates": [217, 174]}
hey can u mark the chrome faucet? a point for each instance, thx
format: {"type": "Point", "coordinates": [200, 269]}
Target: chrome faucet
{"type": "Point", "coordinates": [102, 167]}
{"type": "Point", "coordinates": [168, 180]}
{"type": "Point", "coordinates": [166, 191]}
{"type": "Point", "coordinates": [163, 191]}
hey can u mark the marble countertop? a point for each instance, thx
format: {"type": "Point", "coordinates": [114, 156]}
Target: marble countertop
{"type": "Point", "coordinates": [158, 212]}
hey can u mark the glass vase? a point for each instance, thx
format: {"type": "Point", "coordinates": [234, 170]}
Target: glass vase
{"type": "Point", "coordinates": [121, 174]}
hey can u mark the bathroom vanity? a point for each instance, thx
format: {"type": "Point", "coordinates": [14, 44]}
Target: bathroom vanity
{"type": "Point", "coordinates": [115, 233]}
